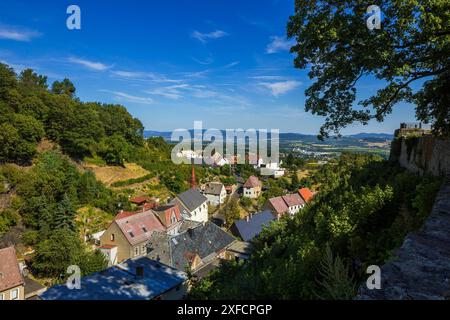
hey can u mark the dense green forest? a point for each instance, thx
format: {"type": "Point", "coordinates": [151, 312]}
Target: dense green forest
{"type": "Point", "coordinates": [365, 207]}
{"type": "Point", "coordinates": [45, 134]}
{"type": "Point", "coordinates": [30, 110]}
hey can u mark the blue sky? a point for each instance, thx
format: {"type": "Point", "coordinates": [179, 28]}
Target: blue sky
{"type": "Point", "coordinates": [225, 62]}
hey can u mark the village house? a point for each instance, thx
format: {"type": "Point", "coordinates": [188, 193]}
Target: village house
{"type": "Point", "coordinates": [14, 281]}
{"type": "Point", "coordinates": [237, 251]}
{"type": "Point", "coordinates": [134, 279]}
{"type": "Point", "coordinates": [287, 204]}
{"type": "Point", "coordinates": [306, 194]}
{"type": "Point", "coordinates": [197, 246]}
{"type": "Point", "coordinates": [250, 227]}
{"type": "Point", "coordinates": [270, 168]}
{"type": "Point", "coordinates": [193, 205]}
{"type": "Point", "coordinates": [215, 192]}
{"type": "Point", "coordinates": [252, 188]}
{"type": "Point", "coordinates": [128, 235]}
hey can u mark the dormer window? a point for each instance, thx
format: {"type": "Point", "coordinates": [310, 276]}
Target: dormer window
{"type": "Point", "coordinates": [173, 218]}
{"type": "Point", "coordinates": [131, 234]}
{"type": "Point", "coordinates": [144, 229]}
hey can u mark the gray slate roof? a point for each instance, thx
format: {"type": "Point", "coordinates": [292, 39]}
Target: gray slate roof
{"type": "Point", "coordinates": [206, 240]}
{"type": "Point", "coordinates": [247, 230]}
{"type": "Point", "coordinates": [122, 283]}
{"type": "Point", "coordinates": [192, 199]}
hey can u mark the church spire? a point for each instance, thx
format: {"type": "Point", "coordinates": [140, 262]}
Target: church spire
{"type": "Point", "coordinates": [193, 182]}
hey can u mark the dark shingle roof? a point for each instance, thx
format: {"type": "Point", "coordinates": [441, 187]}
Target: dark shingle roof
{"type": "Point", "coordinates": [122, 283]}
{"type": "Point", "coordinates": [247, 230]}
{"type": "Point", "coordinates": [192, 199]}
{"type": "Point", "coordinates": [214, 188]}
{"type": "Point", "coordinates": [204, 239]}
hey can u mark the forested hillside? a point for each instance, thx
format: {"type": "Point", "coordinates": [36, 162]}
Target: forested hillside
{"type": "Point", "coordinates": [48, 199]}
{"type": "Point", "coordinates": [364, 209]}
{"type": "Point", "coordinates": [45, 133]}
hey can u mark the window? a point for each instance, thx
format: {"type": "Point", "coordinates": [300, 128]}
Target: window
{"type": "Point", "coordinates": [131, 234]}
{"type": "Point", "coordinates": [136, 251]}
{"type": "Point", "coordinates": [15, 294]}
{"type": "Point", "coordinates": [173, 218]}
{"type": "Point", "coordinates": [112, 237]}
{"type": "Point", "coordinates": [144, 229]}
{"type": "Point", "coordinates": [143, 249]}
{"type": "Point", "coordinates": [1, 296]}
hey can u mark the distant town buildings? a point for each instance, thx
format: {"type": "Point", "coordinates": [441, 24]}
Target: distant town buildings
{"type": "Point", "coordinates": [272, 169]}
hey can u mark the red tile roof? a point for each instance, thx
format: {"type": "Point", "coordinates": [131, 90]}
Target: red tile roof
{"type": "Point", "coordinates": [107, 246]}
{"type": "Point", "coordinates": [293, 200]}
{"type": "Point", "coordinates": [124, 214]}
{"type": "Point", "coordinates": [10, 275]}
{"type": "Point", "coordinates": [252, 182]}
{"type": "Point", "coordinates": [139, 226]}
{"type": "Point", "coordinates": [140, 200]}
{"type": "Point", "coordinates": [306, 194]}
{"type": "Point", "coordinates": [278, 205]}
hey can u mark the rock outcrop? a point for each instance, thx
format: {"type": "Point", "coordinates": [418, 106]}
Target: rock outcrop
{"type": "Point", "coordinates": [425, 154]}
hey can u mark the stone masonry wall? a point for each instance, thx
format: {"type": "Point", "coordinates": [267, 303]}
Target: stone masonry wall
{"type": "Point", "coordinates": [422, 267]}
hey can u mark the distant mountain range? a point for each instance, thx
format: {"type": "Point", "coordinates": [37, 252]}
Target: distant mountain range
{"type": "Point", "coordinates": [372, 137]}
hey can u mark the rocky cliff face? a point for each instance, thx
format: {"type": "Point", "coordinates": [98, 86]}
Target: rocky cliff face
{"type": "Point", "coordinates": [422, 154]}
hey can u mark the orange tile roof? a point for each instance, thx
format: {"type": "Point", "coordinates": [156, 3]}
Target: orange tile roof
{"type": "Point", "coordinates": [306, 194]}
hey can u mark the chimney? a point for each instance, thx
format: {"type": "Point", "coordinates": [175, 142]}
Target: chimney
{"type": "Point", "coordinates": [139, 272]}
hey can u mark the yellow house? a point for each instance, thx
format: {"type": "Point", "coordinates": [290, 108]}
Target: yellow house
{"type": "Point", "coordinates": [12, 284]}
{"type": "Point", "coordinates": [252, 188]}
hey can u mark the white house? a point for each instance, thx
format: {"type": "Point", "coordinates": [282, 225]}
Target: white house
{"type": "Point", "coordinates": [193, 205]}
{"type": "Point", "coordinates": [270, 169]}
{"type": "Point", "coordinates": [215, 192]}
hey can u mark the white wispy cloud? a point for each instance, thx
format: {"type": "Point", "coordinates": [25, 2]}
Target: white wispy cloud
{"type": "Point", "coordinates": [267, 78]}
{"type": "Point", "coordinates": [93, 65]}
{"type": "Point", "coordinates": [122, 96]}
{"type": "Point", "coordinates": [204, 37]}
{"type": "Point", "coordinates": [278, 44]}
{"type": "Point", "coordinates": [139, 75]}
{"type": "Point", "coordinates": [17, 33]}
{"type": "Point", "coordinates": [206, 61]}
{"type": "Point", "coordinates": [232, 64]}
{"type": "Point", "coordinates": [281, 87]}
{"type": "Point", "coordinates": [171, 92]}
